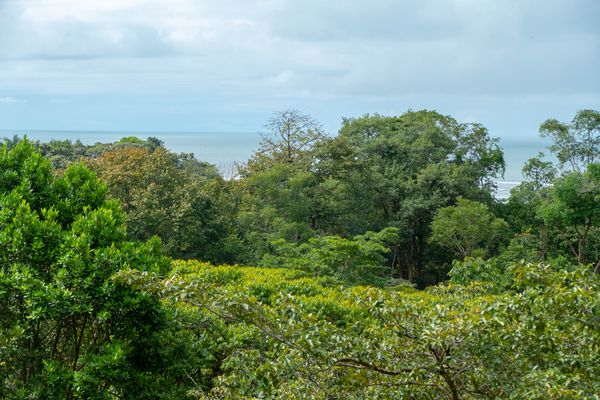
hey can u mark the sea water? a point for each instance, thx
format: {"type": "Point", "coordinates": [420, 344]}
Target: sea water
{"type": "Point", "coordinates": [226, 148]}
{"type": "Point", "coordinates": [213, 147]}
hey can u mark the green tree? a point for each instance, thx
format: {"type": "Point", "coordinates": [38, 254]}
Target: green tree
{"type": "Point", "coordinates": [468, 228]}
{"type": "Point", "coordinates": [519, 210]}
{"type": "Point", "coordinates": [291, 336]}
{"type": "Point", "coordinates": [67, 329]}
{"type": "Point", "coordinates": [378, 172]}
{"type": "Point", "coordinates": [360, 260]}
{"type": "Point", "coordinates": [163, 195]}
{"type": "Point", "coordinates": [538, 177]}
{"type": "Point", "coordinates": [574, 207]}
{"type": "Point", "coordinates": [576, 144]}
{"type": "Point", "coordinates": [539, 173]}
{"type": "Point", "coordinates": [290, 139]}
{"type": "Point", "coordinates": [398, 171]}
{"type": "Point", "coordinates": [278, 187]}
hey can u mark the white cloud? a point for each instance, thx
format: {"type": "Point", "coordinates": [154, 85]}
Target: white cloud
{"type": "Point", "coordinates": [335, 47]}
{"type": "Point", "coordinates": [265, 52]}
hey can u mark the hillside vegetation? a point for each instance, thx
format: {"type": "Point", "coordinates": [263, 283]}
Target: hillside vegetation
{"type": "Point", "coordinates": [372, 265]}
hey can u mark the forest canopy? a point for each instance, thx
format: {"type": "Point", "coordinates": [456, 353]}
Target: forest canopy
{"type": "Point", "coordinates": [372, 264]}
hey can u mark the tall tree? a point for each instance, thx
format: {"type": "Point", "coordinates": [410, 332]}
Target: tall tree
{"type": "Point", "coordinates": [280, 201]}
{"type": "Point", "coordinates": [518, 211]}
{"type": "Point", "coordinates": [291, 136]}
{"type": "Point", "coordinates": [398, 171]}
{"type": "Point", "coordinates": [539, 173]}
{"type": "Point", "coordinates": [576, 144]}
{"type": "Point", "coordinates": [574, 206]}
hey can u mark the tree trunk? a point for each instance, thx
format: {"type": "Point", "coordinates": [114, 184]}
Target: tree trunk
{"type": "Point", "coordinates": [582, 242]}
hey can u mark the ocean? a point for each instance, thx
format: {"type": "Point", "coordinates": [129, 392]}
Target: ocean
{"type": "Point", "coordinates": [225, 148]}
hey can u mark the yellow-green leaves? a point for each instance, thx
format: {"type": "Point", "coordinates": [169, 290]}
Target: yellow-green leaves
{"type": "Point", "coordinates": [288, 335]}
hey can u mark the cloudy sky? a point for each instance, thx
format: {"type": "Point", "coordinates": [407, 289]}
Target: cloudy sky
{"type": "Point", "coordinates": [227, 65]}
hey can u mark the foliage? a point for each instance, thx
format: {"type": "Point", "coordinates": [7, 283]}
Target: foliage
{"type": "Point", "coordinates": [291, 138]}
{"type": "Point", "coordinates": [336, 224]}
{"type": "Point", "coordinates": [539, 173]}
{"type": "Point", "coordinates": [576, 144]}
{"type": "Point", "coordinates": [68, 330]}
{"type": "Point", "coordinates": [492, 271]}
{"type": "Point", "coordinates": [357, 260]}
{"type": "Point", "coordinates": [290, 336]}
{"type": "Point", "coordinates": [378, 172]}
{"type": "Point", "coordinates": [61, 153]}
{"type": "Point", "coordinates": [161, 197]}
{"type": "Point", "coordinates": [406, 168]}
{"type": "Point", "coordinates": [575, 205]}
{"type": "Point", "coordinates": [467, 228]}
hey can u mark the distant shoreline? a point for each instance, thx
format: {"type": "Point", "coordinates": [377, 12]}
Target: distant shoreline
{"type": "Point", "coordinates": [224, 149]}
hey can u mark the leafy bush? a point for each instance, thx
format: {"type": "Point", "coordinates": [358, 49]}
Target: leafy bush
{"type": "Point", "coordinates": [456, 341]}
{"type": "Point", "coordinates": [68, 330]}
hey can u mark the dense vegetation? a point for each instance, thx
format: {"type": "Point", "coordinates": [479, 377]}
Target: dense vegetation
{"type": "Point", "coordinates": [373, 264]}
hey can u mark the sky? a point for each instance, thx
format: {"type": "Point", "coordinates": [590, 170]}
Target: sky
{"type": "Point", "coordinates": [228, 65]}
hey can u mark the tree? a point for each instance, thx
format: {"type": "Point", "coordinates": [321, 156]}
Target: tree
{"type": "Point", "coordinates": [360, 260]}
{"type": "Point", "coordinates": [467, 228]}
{"type": "Point", "coordinates": [64, 152]}
{"type": "Point", "coordinates": [398, 171]}
{"type": "Point", "coordinates": [538, 176]}
{"type": "Point", "coordinates": [575, 205]}
{"type": "Point", "coordinates": [287, 335]}
{"type": "Point", "coordinates": [67, 329]}
{"type": "Point", "coordinates": [378, 172]}
{"type": "Point", "coordinates": [539, 173]}
{"type": "Point", "coordinates": [163, 195]}
{"type": "Point", "coordinates": [280, 201]}
{"type": "Point", "coordinates": [576, 144]}
{"type": "Point", "coordinates": [290, 139]}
